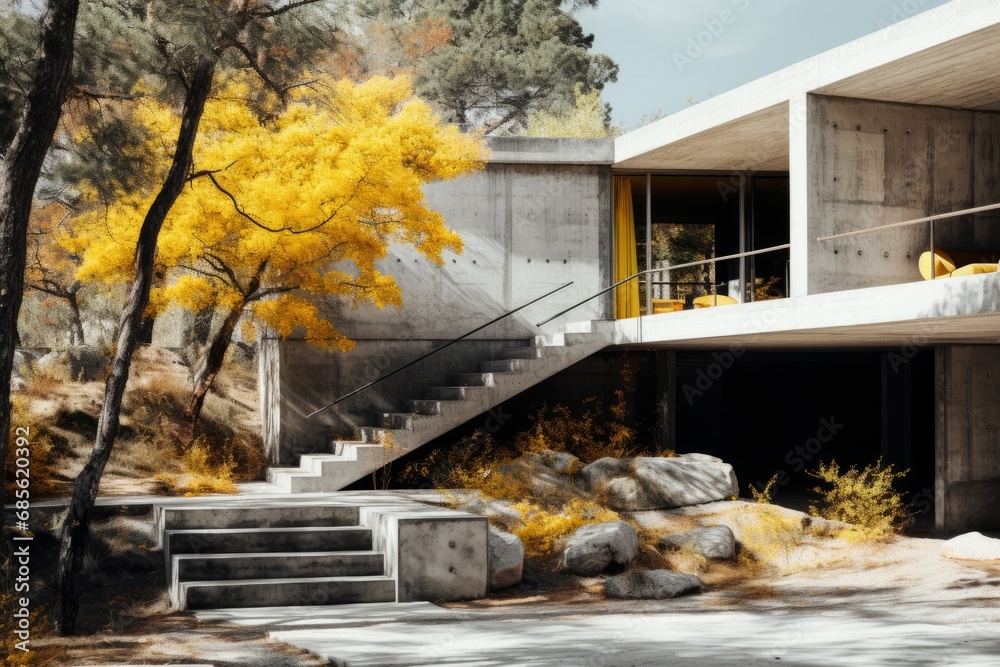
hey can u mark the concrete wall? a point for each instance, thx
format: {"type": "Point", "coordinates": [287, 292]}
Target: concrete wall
{"type": "Point", "coordinates": [528, 227]}
{"type": "Point", "coordinates": [297, 378]}
{"type": "Point", "coordinates": [538, 216]}
{"type": "Point", "coordinates": [967, 477]}
{"type": "Point", "coordinates": [874, 163]}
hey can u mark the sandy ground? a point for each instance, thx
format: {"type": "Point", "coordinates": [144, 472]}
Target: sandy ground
{"type": "Point", "coordinates": [825, 602]}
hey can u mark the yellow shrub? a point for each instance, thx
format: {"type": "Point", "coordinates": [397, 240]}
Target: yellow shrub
{"type": "Point", "coordinates": [41, 459]}
{"type": "Point", "coordinates": [864, 498]}
{"type": "Point", "coordinates": [768, 535]}
{"type": "Point", "coordinates": [213, 468]}
{"type": "Point", "coordinates": [542, 529]}
{"type": "Point", "coordinates": [764, 496]}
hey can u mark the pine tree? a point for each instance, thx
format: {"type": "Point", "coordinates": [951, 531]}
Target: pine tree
{"type": "Point", "coordinates": [486, 63]}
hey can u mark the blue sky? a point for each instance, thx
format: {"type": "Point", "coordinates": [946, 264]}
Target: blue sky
{"type": "Point", "coordinates": [673, 50]}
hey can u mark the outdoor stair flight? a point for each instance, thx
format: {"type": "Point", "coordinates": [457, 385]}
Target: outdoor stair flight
{"type": "Point", "coordinates": [443, 408]}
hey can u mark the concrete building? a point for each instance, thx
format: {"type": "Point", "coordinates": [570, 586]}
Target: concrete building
{"type": "Point", "coordinates": [829, 347]}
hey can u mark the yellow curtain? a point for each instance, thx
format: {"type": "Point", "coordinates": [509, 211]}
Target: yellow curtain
{"type": "Point", "coordinates": [626, 264]}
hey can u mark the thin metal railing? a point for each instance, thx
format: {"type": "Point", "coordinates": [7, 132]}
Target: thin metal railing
{"type": "Point", "coordinates": [436, 350]}
{"type": "Point", "coordinates": [688, 265]}
{"type": "Point", "coordinates": [916, 221]}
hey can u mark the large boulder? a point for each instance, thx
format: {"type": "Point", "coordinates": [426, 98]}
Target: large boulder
{"type": "Point", "coordinates": [547, 473]}
{"type": "Point", "coordinates": [594, 548]}
{"type": "Point", "coordinates": [716, 542]}
{"type": "Point", "coordinates": [647, 483]}
{"type": "Point", "coordinates": [596, 475]}
{"type": "Point", "coordinates": [971, 546]}
{"type": "Point", "coordinates": [651, 585]}
{"type": "Point", "coordinates": [505, 555]}
{"type": "Point", "coordinates": [84, 363]}
{"type": "Point", "coordinates": [491, 508]}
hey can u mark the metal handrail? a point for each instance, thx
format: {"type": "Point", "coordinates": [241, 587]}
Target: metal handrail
{"type": "Point", "coordinates": [668, 268]}
{"type": "Point", "coordinates": [917, 221]}
{"type": "Point", "coordinates": [928, 219]}
{"type": "Point", "coordinates": [436, 350]}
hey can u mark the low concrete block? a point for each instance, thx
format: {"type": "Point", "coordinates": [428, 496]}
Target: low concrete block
{"type": "Point", "coordinates": [433, 554]}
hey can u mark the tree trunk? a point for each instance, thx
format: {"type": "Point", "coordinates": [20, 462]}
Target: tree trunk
{"type": "Point", "coordinates": [212, 363]}
{"type": "Point", "coordinates": [201, 327]}
{"type": "Point", "coordinates": [144, 334]}
{"type": "Point", "coordinates": [77, 332]}
{"type": "Point", "coordinates": [19, 171]}
{"type": "Point", "coordinates": [216, 354]}
{"type": "Point", "coordinates": [76, 523]}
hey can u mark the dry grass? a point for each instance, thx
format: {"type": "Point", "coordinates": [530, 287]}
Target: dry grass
{"type": "Point", "coordinates": [155, 430]}
{"type": "Point", "coordinates": [542, 529]}
{"type": "Point", "coordinates": [36, 448]}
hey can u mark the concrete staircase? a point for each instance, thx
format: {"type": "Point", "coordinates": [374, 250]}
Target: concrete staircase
{"type": "Point", "coordinates": [253, 553]}
{"type": "Point", "coordinates": [442, 409]}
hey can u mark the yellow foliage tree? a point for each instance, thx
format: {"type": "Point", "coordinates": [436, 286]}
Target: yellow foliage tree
{"type": "Point", "coordinates": [289, 204]}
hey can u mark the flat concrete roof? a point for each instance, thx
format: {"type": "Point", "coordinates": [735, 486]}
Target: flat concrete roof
{"type": "Point", "coordinates": [943, 57]}
{"type": "Point", "coordinates": [544, 150]}
{"type": "Point", "coordinates": [953, 310]}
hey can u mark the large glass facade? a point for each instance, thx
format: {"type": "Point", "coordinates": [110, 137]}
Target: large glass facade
{"type": "Point", "coordinates": [683, 220]}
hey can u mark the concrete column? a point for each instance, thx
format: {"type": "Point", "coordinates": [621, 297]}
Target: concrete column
{"type": "Point", "coordinates": [967, 474]}
{"type": "Point", "coordinates": [798, 187]}
{"type": "Point", "coordinates": [666, 398]}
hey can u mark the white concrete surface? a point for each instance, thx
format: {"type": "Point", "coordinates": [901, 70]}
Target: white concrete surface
{"type": "Point", "coordinates": [423, 634]}
{"type": "Point", "coordinates": [957, 310]}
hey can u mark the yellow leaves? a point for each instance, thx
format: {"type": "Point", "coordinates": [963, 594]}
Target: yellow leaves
{"type": "Point", "coordinates": [289, 312]}
{"type": "Point", "coordinates": [306, 197]}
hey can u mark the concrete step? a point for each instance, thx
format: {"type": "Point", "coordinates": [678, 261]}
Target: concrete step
{"type": "Point", "coordinates": [265, 540]}
{"type": "Point", "coordinates": [449, 393]}
{"type": "Point", "coordinates": [550, 340]}
{"type": "Point", "coordinates": [402, 421]}
{"type": "Point", "coordinates": [261, 515]}
{"type": "Point", "coordinates": [504, 366]}
{"type": "Point", "coordinates": [378, 434]}
{"type": "Point", "coordinates": [473, 379]}
{"type": "Point", "coordinates": [305, 591]}
{"type": "Point", "coordinates": [532, 352]}
{"type": "Point", "coordinates": [215, 567]}
{"type": "Point", "coordinates": [423, 406]}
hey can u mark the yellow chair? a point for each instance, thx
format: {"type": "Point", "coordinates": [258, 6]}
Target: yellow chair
{"type": "Point", "coordinates": [710, 300]}
{"type": "Point", "coordinates": [943, 264]}
{"type": "Point", "coordinates": [946, 267]}
{"type": "Point", "coordinates": [667, 306]}
{"type": "Point", "coordinates": [974, 269]}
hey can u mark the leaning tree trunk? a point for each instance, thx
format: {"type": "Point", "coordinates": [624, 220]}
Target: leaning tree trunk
{"type": "Point", "coordinates": [76, 523]}
{"type": "Point", "coordinates": [19, 172]}
{"type": "Point", "coordinates": [212, 363]}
